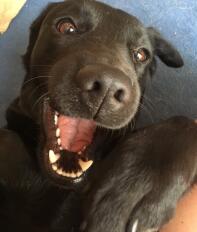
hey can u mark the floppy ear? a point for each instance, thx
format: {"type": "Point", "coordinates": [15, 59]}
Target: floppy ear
{"type": "Point", "coordinates": [34, 32]}
{"type": "Point", "coordinates": [164, 50]}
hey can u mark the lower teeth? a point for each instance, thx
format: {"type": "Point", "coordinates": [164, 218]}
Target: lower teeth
{"type": "Point", "coordinates": [53, 158]}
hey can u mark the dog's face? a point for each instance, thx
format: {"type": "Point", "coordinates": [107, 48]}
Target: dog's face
{"type": "Point", "coordinates": [86, 64]}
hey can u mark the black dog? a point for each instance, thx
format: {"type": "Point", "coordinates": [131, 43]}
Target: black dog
{"type": "Point", "coordinates": [87, 65]}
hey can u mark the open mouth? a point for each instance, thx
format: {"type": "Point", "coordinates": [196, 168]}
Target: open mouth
{"type": "Point", "coordinates": [67, 143]}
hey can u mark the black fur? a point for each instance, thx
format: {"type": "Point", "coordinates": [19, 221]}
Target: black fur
{"type": "Point", "coordinates": [143, 178]}
{"type": "Point", "coordinates": [131, 179]}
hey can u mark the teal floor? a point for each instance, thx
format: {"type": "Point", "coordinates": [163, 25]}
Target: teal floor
{"type": "Point", "coordinates": [172, 92]}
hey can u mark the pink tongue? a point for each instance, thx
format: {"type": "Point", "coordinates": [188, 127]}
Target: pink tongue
{"type": "Point", "coordinates": [75, 133]}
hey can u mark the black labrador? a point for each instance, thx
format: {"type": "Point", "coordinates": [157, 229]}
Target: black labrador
{"type": "Point", "coordinates": [86, 69]}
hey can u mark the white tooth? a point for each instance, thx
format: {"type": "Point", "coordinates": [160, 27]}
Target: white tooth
{"type": "Point", "coordinates": [78, 174]}
{"type": "Point", "coordinates": [54, 167]}
{"type": "Point", "coordinates": [85, 164]}
{"type": "Point", "coordinates": [61, 148]}
{"type": "Point", "coordinates": [58, 132]}
{"type": "Point", "coordinates": [67, 174]}
{"type": "Point", "coordinates": [56, 113]}
{"type": "Point", "coordinates": [63, 173]}
{"type": "Point", "coordinates": [56, 119]}
{"type": "Point", "coordinates": [80, 152]}
{"type": "Point", "coordinates": [53, 157]}
{"type": "Point", "coordinates": [73, 175]}
{"type": "Point", "coordinates": [84, 148]}
{"type": "Point", "coordinates": [59, 171]}
{"type": "Point", "coordinates": [59, 141]}
{"type": "Point", "coordinates": [135, 225]}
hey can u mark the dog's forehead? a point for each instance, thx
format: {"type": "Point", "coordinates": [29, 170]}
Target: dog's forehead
{"type": "Point", "coordinates": [114, 22]}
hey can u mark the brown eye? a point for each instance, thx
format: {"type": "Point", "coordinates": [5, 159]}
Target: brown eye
{"type": "Point", "coordinates": [140, 55]}
{"type": "Point", "coordinates": [66, 27]}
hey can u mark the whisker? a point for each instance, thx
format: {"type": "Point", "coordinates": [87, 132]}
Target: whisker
{"type": "Point", "coordinates": [39, 99]}
{"type": "Point", "coordinates": [110, 133]}
{"type": "Point", "coordinates": [34, 78]}
{"type": "Point", "coordinates": [124, 130]}
{"type": "Point", "coordinates": [37, 88]}
{"type": "Point", "coordinates": [132, 124]}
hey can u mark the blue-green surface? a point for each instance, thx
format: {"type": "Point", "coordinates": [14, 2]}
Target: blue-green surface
{"type": "Point", "coordinates": [172, 92]}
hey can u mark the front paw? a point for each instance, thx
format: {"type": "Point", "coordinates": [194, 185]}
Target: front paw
{"type": "Point", "coordinates": [149, 217]}
{"type": "Point", "coordinates": [137, 227]}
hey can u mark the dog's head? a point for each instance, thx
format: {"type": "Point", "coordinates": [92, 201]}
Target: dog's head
{"type": "Point", "coordinates": [86, 66]}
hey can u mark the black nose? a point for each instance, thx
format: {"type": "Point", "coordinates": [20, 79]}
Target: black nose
{"type": "Point", "coordinates": [99, 82]}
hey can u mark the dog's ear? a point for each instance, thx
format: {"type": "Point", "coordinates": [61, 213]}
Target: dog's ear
{"type": "Point", "coordinates": [34, 32]}
{"type": "Point", "coordinates": [164, 50]}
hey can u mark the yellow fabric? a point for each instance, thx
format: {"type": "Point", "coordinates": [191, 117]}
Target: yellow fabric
{"type": "Point", "coordinates": [8, 10]}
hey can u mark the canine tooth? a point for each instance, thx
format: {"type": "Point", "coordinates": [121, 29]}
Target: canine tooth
{"type": "Point", "coordinates": [59, 171]}
{"type": "Point", "coordinates": [85, 164]}
{"type": "Point", "coordinates": [56, 119]}
{"type": "Point", "coordinates": [54, 167]}
{"type": "Point", "coordinates": [59, 141]}
{"type": "Point", "coordinates": [58, 132]}
{"type": "Point", "coordinates": [78, 174]}
{"type": "Point", "coordinates": [53, 157]}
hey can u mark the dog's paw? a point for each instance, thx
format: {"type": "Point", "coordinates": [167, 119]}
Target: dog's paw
{"type": "Point", "coordinates": [149, 217]}
{"type": "Point", "coordinates": [136, 227]}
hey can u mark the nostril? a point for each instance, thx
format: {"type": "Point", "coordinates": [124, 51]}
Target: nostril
{"type": "Point", "coordinates": [119, 95]}
{"type": "Point", "coordinates": [96, 86]}
{"type": "Point", "coordinates": [93, 86]}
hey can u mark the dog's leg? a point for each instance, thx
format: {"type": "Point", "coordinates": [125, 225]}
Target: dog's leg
{"type": "Point", "coordinates": [157, 207]}
{"type": "Point", "coordinates": [141, 181]}
{"type": "Point", "coordinates": [116, 190]}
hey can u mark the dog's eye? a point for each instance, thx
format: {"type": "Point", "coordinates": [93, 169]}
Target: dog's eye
{"type": "Point", "coordinates": [66, 27]}
{"type": "Point", "coordinates": [140, 55]}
